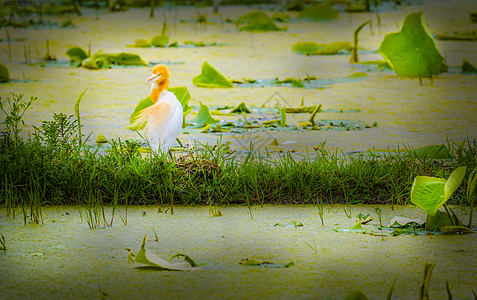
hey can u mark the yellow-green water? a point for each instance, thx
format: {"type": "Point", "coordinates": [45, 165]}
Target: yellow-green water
{"type": "Point", "coordinates": [405, 111]}
{"type": "Point", "coordinates": [63, 258]}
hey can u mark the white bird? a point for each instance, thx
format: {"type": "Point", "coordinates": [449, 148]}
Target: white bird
{"type": "Point", "coordinates": [165, 116]}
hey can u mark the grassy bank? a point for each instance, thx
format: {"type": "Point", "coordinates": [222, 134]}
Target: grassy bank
{"type": "Point", "coordinates": [56, 166]}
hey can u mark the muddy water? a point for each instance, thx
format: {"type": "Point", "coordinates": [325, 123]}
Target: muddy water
{"type": "Point", "coordinates": [405, 111]}
{"type": "Point", "coordinates": [63, 258]}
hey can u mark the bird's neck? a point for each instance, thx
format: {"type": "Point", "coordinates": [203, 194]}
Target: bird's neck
{"type": "Point", "coordinates": [158, 87]}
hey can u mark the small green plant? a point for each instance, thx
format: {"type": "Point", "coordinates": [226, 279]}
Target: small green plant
{"type": "Point", "coordinates": [59, 134]}
{"type": "Point", "coordinates": [430, 193]}
{"type": "Point", "coordinates": [14, 108]}
{"type": "Point", "coordinates": [313, 247]}
{"type": "Point", "coordinates": [378, 212]}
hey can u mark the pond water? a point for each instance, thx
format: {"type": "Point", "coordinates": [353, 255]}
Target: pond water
{"type": "Point", "coordinates": [406, 112]}
{"type": "Point", "coordinates": [63, 258]}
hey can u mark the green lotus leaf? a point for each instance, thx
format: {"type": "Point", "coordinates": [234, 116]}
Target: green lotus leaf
{"type": "Point", "coordinates": [142, 43]}
{"type": "Point", "coordinates": [334, 48]}
{"type": "Point", "coordinates": [412, 52]}
{"type": "Point", "coordinates": [319, 12]}
{"type": "Point", "coordinates": [307, 48]}
{"type": "Point", "coordinates": [467, 67]}
{"type": "Point", "coordinates": [4, 74]}
{"type": "Point", "coordinates": [356, 295]}
{"type": "Point", "coordinates": [430, 193]}
{"type": "Point", "coordinates": [296, 83]}
{"type": "Point", "coordinates": [100, 139]}
{"type": "Point", "coordinates": [210, 77]}
{"type": "Point", "coordinates": [127, 59]}
{"type": "Point", "coordinates": [159, 40]}
{"type": "Point", "coordinates": [203, 116]}
{"type": "Point", "coordinates": [183, 95]}
{"type": "Point", "coordinates": [149, 259]}
{"type": "Point", "coordinates": [76, 54]}
{"type": "Point", "coordinates": [241, 108]}
{"type": "Point", "coordinates": [244, 19]}
{"type": "Point", "coordinates": [90, 63]}
{"type": "Point", "coordinates": [135, 123]}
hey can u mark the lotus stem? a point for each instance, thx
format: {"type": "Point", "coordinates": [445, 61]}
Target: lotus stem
{"type": "Point", "coordinates": [312, 117]}
{"type": "Point", "coordinates": [354, 55]}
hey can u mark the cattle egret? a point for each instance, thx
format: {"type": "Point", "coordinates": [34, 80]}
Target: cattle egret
{"type": "Point", "coordinates": [165, 116]}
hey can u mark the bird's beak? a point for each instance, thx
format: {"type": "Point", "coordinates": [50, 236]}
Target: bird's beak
{"type": "Point", "coordinates": [153, 76]}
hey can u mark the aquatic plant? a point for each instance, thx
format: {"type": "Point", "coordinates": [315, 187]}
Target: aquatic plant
{"type": "Point", "coordinates": [257, 21]}
{"type": "Point", "coordinates": [431, 193]}
{"type": "Point", "coordinates": [4, 74]}
{"type": "Point", "coordinates": [319, 12]}
{"type": "Point", "coordinates": [100, 60]}
{"type": "Point", "coordinates": [471, 186]}
{"type": "Point", "coordinates": [150, 260]}
{"type": "Point", "coordinates": [210, 77]}
{"type": "Point", "coordinates": [412, 52]}
{"type": "Point", "coordinates": [354, 55]}
{"type": "Point", "coordinates": [3, 245]}
{"type": "Point", "coordinates": [313, 48]}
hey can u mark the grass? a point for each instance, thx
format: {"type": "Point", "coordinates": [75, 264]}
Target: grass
{"type": "Point", "coordinates": [54, 166]}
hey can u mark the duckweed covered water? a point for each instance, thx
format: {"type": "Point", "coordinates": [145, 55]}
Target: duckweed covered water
{"type": "Point", "coordinates": [405, 111]}
{"type": "Point", "coordinates": [63, 258]}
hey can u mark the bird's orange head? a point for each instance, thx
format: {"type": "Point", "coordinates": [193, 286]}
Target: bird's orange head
{"type": "Point", "coordinates": [160, 77]}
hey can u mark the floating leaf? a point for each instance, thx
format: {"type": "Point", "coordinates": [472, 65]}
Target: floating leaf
{"type": "Point", "coordinates": [334, 48]}
{"type": "Point", "coordinates": [159, 40]}
{"type": "Point", "coordinates": [4, 74]}
{"type": "Point", "coordinates": [100, 139]}
{"type": "Point", "coordinates": [183, 95]}
{"type": "Point", "coordinates": [283, 118]}
{"type": "Point", "coordinates": [289, 224]}
{"type": "Point", "coordinates": [467, 67]}
{"type": "Point", "coordinates": [212, 78]}
{"type": "Point", "coordinates": [257, 21]}
{"type": "Point", "coordinates": [76, 54]}
{"type": "Point", "coordinates": [319, 12]}
{"type": "Point", "coordinates": [127, 59]}
{"type": "Point", "coordinates": [142, 43]}
{"type": "Point", "coordinates": [149, 259]}
{"type": "Point", "coordinates": [404, 222]}
{"type": "Point", "coordinates": [241, 108]}
{"type": "Point", "coordinates": [356, 295]}
{"type": "Point", "coordinates": [307, 48]}
{"type": "Point", "coordinates": [203, 116]}
{"type": "Point", "coordinates": [430, 193]}
{"type": "Point", "coordinates": [253, 262]}
{"type": "Point", "coordinates": [300, 110]}
{"type": "Point", "coordinates": [134, 123]}
{"type": "Point", "coordinates": [296, 83]}
{"type": "Point", "coordinates": [274, 142]}
{"type": "Point", "coordinates": [412, 52]}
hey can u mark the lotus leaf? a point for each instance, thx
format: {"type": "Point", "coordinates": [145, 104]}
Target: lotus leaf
{"type": "Point", "coordinates": [306, 48]}
{"type": "Point", "coordinates": [412, 52]}
{"type": "Point", "coordinates": [183, 95]}
{"type": "Point", "coordinates": [134, 118]}
{"type": "Point", "coordinates": [127, 59]}
{"type": "Point", "coordinates": [319, 12]}
{"type": "Point", "coordinates": [356, 295]}
{"type": "Point", "coordinates": [430, 193]}
{"type": "Point", "coordinates": [90, 63]}
{"type": "Point", "coordinates": [250, 17]}
{"type": "Point", "coordinates": [241, 108]}
{"type": "Point", "coordinates": [149, 259]}
{"type": "Point", "coordinates": [76, 54]}
{"type": "Point", "coordinates": [203, 116]}
{"type": "Point", "coordinates": [211, 77]}
{"type": "Point", "coordinates": [334, 48]}
{"type": "Point", "coordinates": [253, 262]}
{"type": "Point", "coordinates": [142, 43]}
{"type": "Point", "coordinates": [100, 139]}
{"type": "Point", "coordinates": [4, 74]}
{"type": "Point", "coordinates": [467, 67]}
{"type": "Point", "coordinates": [159, 40]}
{"type": "Point", "coordinates": [432, 152]}
{"type": "Point", "coordinates": [296, 83]}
